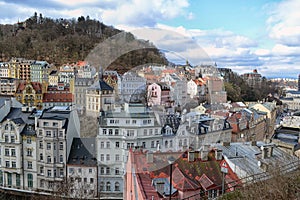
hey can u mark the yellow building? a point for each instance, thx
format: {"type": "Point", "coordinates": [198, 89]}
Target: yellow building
{"type": "Point", "coordinates": [30, 94]}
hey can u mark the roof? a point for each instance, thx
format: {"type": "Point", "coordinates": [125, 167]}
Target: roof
{"type": "Point", "coordinates": [101, 85]}
{"type": "Point", "coordinates": [35, 85]}
{"type": "Point", "coordinates": [58, 97]}
{"type": "Point", "coordinates": [83, 152]}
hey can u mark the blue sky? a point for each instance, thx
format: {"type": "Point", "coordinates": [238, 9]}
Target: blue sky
{"type": "Point", "coordinates": [239, 34]}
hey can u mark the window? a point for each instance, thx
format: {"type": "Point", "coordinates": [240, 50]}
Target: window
{"type": "Point", "coordinates": [166, 144]}
{"type": "Point", "coordinates": [48, 146]}
{"type": "Point", "coordinates": [46, 123]}
{"type": "Point", "coordinates": [12, 139]}
{"type": "Point", "coordinates": [185, 142]}
{"type": "Point", "coordinates": [79, 170]}
{"type": "Point", "coordinates": [127, 121]}
{"type": "Point", "coordinates": [40, 132]}
{"type": "Point", "coordinates": [180, 143]}
{"type": "Point", "coordinates": [49, 174]}
{"type": "Point", "coordinates": [61, 158]}
{"type": "Point", "coordinates": [61, 133]}
{"type": "Point", "coordinates": [6, 152]}
{"type": "Point", "coordinates": [117, 157]}
{"type": "Point", "coordinates": [91, 180]}
{"type": "Point", "coordinates": [29, 165]}
{"type": "Point", "coordinates": [55, 124]}
{"type": "Point", "coordinates": [85, 180]}
{"type": "Point", "coordinates": [90, 171]}
{"type": "Point", "coordinates": [102, 145]}
{"type": "Point", "coordinates": [6, 138]}
{"type": "Point", "coordinates": [107, 186]}
{"type": "Point", "coordinates": [116, 131]}
{"type": "Point", "coordinates": [42, 183]}
{"type": "Point", "coordinates": [102, 170]}
{"type": "Point", "coordinates": [7, 164]}
{"type": "Point", "coordinates": [41, 157]}
{"type": "Point", "coordinates": [117, 171]}
{"type": "Point", "coordinates": [29, 152]}
{"type": "Point", "coordinates": [117, 144]}
{"type": "Point", "coordinates": [61, 172]}
{"type": "Point", "coordinates": [108, 145]}
{"type": "Point", "coordinates": [134, 121]}
{"type": "Point", "coordinates": [171, 143]}
{"type": "Point", "coordinates": [6, 127]}
{"type": "Point", "coordinates": [110, 131]}
{"type": "Point", "coordinates": [151, 132]}
{"type": "Point", "coordinates": [117, 186]}
{"type": "Point", "coordinates": [107, 170]}
{"type": "Point", "coordinates": [102, 157]}
{"type": "Point", "coordinates": [13, 164]}
{"type": "Point", "coordinates": [18, 180]}
{"type": "Point", "coordinates": [157, 143]}
{"type": "Point", "coordinates": [104, 131]}
{"type": "Point", "coordinates": [61, 146]}
{"type": "Point", "coordinates": [28, 140]}
{"type": "Point", "coordinates": [9, 179]}
{"type": "Point", "coordinates": [41, 144]}
{"type": "Point", "coordinates": [156, 131]}
{"type": "Point", "coordinates": [107, 157]}
{"type": "Point", "coordinates": [152, 144]}
{"type": "Point", "coordinates": [30, 180]}
{"type": "Point", "coordinates": [48, 159]}
{"type": "Point", "coordinates": [48, 133]}
{"type": "Point", "coordinates": [41, 170]}
{"type": "Point", "coordinates": [54, 146]}
{"type": "Point", "coordinates": [102, 186]}
{"type": "Point", "coordinates": [144, 145]}
{"type": "Point", "coordinates": [71, 170]}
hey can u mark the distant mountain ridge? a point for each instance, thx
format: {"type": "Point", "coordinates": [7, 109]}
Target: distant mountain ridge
{"type": "Point", "coordinates": [61, 41]}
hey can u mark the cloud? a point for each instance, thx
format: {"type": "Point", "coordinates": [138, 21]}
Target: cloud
{"type": "Point", "coordinates": [284, 23]}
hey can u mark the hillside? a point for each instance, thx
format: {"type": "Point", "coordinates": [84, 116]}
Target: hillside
{"type": "Point", "coordinates": [61, 41]}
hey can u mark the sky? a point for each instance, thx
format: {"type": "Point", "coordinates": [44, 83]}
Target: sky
{"type": "Point", "coordinates": [236, 34]}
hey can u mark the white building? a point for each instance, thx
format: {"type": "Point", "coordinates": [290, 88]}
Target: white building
{"type": "Point", "coordinates": [133, 87]}
{"type": "Point", "coordinates": [82, 168]}
{"type": "Point", "coordinates": [133, 127]}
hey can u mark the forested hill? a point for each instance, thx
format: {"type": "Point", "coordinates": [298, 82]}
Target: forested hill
{"type": "Point", "coordinates": [61, 41]}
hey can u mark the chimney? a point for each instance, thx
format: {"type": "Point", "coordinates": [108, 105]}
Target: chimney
{"type": "Point", "coordinates": [204, 152]}
{"type": "Point", "coordinates": [218, 154]}
{"type": "Point", "coordinates": [264, 152]}
{"type": "Point", "coordinates": [253, 143]}
{"type": "Point", "coordinates": [149, 157]}
{"type": "Point", "coordinates": [270, 151]}
{"type": "Point", "coordinates": [191, 156]}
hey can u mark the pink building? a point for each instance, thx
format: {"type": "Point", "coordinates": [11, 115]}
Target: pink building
{"type": "Point", "coordinates": [159, 94]}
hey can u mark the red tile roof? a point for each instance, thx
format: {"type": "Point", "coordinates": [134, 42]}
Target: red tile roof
{"type": "Point", "coordinates": [183, 182]}
{"type": "Point", "coordinates": [58, 97]}
{"type": "Point", "coordinates": [36, 86]}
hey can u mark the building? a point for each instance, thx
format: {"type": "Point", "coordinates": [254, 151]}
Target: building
{"type": "Point", "coordinates": [4, 70]}
{"type": "Point", "coordinates": [119, 131]}
{"type": "Point", "coordinates": [80, 87]}
{"type": "Point", "coordinates": [159, 94]}
{"type": "Point", "coordinates": [39, 71]}
{"type": "Point", "coordinates": [18, 166]}
{"type": "Point", "coordinates": [253, 79]}
{"type": "Point", "coordinates": [20, 68]}
{"type": "Point", "coordinates": [66, 74]}
{"type": "Point", "coordinates": [30, 94]}
{"type": "Point", "coordinates": [59, 95]}
{"type": "Point", "coordinates": [55, 130]}
{"type": "Point", "coordinates": [82, 168]}
{"type": "Point", "coordinates": [99, 96]}
{"type": "Point", "coordinates": [53, 78]}
{"type": "Point", "coordinates": [216, 91]}
{"type": "Point", "coordinates": [8, 86]}
{"type": "Point", "coordinates": [133, 87]}
{"type": "Point", "coordinates": [113, 79]}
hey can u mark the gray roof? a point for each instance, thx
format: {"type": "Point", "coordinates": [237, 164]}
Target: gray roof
{"type": "Point", "coordinates": [100, 86]}
{"type": "Point", "coordinates": [246, 156]}
{"type": "Point", "coordinates": [83, 152]}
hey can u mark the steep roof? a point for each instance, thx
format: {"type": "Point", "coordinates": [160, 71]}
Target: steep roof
{"type": "Point", "coordinates": [101, 85]}
{"type": "Point", "coordinates": [83, 152]}
{"type": "Point", "coordinates": [58, 97]}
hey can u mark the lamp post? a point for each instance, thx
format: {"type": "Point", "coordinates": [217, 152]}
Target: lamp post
{"type": "Point", "coordinates": [171, 160]}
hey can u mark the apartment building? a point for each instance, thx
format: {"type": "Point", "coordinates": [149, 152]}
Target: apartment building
{"type": "Point", "coordinates": [120, 131]}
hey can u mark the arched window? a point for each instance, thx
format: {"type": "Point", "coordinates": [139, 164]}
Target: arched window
{"type": "Point", "coordinates": [108, 186]}
{"type": "Point", "coordinates": [185, 142]}
{"type": "Point", "coordinates": [117, 186]}
{"type": "Point", "coordinates": [102, 186]}
{"type": "Point", "coordinates": [166, 144]}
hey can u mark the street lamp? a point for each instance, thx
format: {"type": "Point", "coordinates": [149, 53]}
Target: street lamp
{"type": "Point", "coordinates": [171, 160]}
